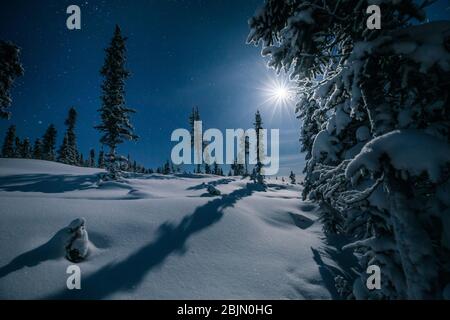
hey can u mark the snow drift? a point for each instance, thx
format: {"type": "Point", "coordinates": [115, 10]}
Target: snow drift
{"type": "Point", "coordinates": [156, 236]}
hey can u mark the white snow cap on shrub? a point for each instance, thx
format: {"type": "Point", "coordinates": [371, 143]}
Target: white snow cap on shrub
{"type": "Point", "coordinates": [77, 223]}
{"type": "Point", "coordinates": [213, 190]}
{"type": "Point", "coordinates": [78, 244]}
{"type": "Point", "coordinates": [411, 150]}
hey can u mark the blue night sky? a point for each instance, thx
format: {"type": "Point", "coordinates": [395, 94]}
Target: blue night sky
{"type": "Point", "coordinates": [180, 53]}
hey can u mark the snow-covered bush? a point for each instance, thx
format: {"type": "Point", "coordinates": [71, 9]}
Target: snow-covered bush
{"type": "Point", "coordinates": [213, 190]}
{"type": "Point", "coordinates": [77, 245]}
{"type": "Point", "coordinates": [361, 91]}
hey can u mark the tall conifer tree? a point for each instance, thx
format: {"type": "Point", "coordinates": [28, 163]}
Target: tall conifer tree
{"type": "Point", "coordinates": [115, 122]}
{"type": "Point", "coordinates": [8, 145]}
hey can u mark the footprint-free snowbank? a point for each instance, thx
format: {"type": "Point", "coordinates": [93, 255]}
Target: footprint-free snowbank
{"type": "Point", "coordinates": [157, 237]}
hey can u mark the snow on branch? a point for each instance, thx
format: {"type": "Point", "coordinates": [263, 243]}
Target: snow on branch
{"type": "Point", "coordinates": [409, 150]}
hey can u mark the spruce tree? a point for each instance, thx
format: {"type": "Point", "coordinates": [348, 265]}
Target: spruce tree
{"type": "Point", "coordinates": [115, 123]}
{"type": "Point", "coordinates": [68, 152]}
{"type": "Point", "coordinates": [195, 116]}
{"type": "Point", "coordinates": [18, 148]}
{"type": "Point", "coordinates": [292, 177]}
{"type": "Point", "coordinates": [101, 159]}
{"type": "Point", "coordinates": [259, 148]}
{"type": "Point", "coordinates": [246, 154]}
{"type": "Point", "coordinates": [166, 168]}
{"type": "Point", "coordinates": [26, 149]}
{"type": "Point", "coordinates": [216, 170]}
{"type": "Point", "coordinates": [48, 143]}
{"type": "Point", "coordinates": [8, 150]}
{"type": "Point", "coordinates": [37, 149]}
{"type": "Point", "coordinates": [207, 168]}
{"type": "Point", "coordinates": [238, 168]}
{"type": "Point", "coordinates": [64, 150]}
{"type": "Point", "coordinates": [10, 69]}
{"type": "Point", "coordinates": [92, 158]}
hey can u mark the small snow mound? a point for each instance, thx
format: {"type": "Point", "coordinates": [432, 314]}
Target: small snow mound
{"type": "Point", "coordinates": [109, 185]}
{"type": "Point", "coordinates": [139, 194]}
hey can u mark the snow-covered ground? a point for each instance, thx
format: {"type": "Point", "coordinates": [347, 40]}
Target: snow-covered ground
{"type": "Point", "coordinates": [159, 237]}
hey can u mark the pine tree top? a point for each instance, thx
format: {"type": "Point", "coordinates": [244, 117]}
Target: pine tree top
{"type": "Point", "coordinates": [115, 123]}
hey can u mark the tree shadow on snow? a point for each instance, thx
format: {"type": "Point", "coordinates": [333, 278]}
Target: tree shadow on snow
{"type": "Point", "coordinates": [213, 183]}
{"type": "Point", "coordinates": [52, 249]}
{"type": "Point", "coordinates": [340, 263]}
{"type": "Point", "coordinates": [171, 238]}
{"type": "Point", "coordinates": [46, 183]}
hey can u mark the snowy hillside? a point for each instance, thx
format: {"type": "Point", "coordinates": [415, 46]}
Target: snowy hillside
{"type": "Point", "coordinates": [159, 237]}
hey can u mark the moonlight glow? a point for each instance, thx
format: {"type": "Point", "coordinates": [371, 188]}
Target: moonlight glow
{"type": "Point", "coordinates": [281, 93]}
{"type": "Point", "coordinates": [278, 93]}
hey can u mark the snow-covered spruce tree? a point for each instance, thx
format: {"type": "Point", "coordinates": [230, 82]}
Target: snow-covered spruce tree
{"type": "Point", "coordinates": [48, 143]}
{"type": "Point", "coordinates": [371, 101]}
{"type": "Point", "coordinates": [292, 177]}
{"type": "Point", "coordinates": [8, 150]}
{"type": "Point", "coordinates": [68, 152]}
{"type": "Point", "coordinates": [246, 154]}
{"type": "Point", "coordinates": [193, 117]}
{"type": "Point", "coordinates": [115, 123]}
{"type": "Point", "coordinates": [10, 69]}
{"type": "Point", "coordinates": [259, 148]}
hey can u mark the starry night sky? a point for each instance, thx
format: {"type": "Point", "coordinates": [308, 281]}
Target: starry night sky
{"type": "Point", "coordinates": [181, 54]}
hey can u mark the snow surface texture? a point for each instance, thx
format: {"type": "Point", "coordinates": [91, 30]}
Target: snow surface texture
{"type": "Point", "coordinates": [159, 237]}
